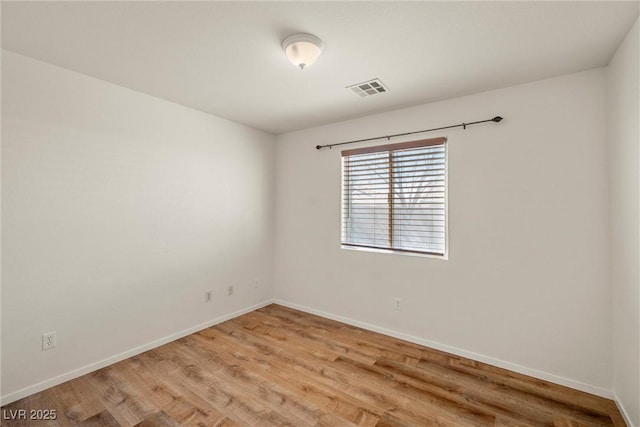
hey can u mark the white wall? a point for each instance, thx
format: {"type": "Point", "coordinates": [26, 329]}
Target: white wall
{"type": "Point", "coordinates": [624, 151]}
{"type": "Point", "coordinates": [527, 281]}
{"type": "Point", "coordinates": [119, 211]}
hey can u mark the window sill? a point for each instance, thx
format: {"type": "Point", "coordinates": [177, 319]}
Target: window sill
{"type": "Point", "coordinates": [392, 252]}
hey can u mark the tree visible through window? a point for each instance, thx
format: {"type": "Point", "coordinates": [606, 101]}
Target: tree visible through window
{"type": "Point", "coordinates": [394, 197]}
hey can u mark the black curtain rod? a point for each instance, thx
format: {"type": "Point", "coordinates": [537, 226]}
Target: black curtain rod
{"type": "Point", "coordinates": [462, 125]}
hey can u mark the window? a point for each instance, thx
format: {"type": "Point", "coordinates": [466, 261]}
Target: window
{"type": "Point", "coordinates": [394, 197]}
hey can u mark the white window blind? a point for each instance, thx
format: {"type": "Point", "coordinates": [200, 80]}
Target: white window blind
{"type": "Point", "coordinates": [394, 197]}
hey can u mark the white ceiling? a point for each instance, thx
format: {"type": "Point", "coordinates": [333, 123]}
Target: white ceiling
{"type": "Point", "coordinates": [225, 58]}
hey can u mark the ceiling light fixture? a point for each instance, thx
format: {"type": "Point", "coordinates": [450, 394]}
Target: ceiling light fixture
{"type": "Point", "coordinates": [302, 49]}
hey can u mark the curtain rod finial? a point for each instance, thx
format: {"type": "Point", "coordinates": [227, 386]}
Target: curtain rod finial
{"type": "Point", "coordinates": [318, 147]}
{"type": "Point", "coordinates": [497, 119]}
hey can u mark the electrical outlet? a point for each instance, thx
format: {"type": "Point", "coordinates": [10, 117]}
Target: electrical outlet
{"type": "Point", "coordinates": [397, 304]}
{"type": "Point", "coordinates": [208, 296]}
{"type": "Point", "coordinates": [230, 290]}
{"type": "Point", "coordinates": [48, 340]}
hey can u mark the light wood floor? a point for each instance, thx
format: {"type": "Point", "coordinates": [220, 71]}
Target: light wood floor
{"type": "Point", "coordinates": [277, 366]}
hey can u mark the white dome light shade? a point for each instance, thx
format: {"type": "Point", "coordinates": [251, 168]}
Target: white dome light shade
{"type": "Point", "coordinates": [302, 49]}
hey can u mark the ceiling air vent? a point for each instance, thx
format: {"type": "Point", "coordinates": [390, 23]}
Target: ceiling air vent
{"type": "Point", "coordinates": [372, 87]}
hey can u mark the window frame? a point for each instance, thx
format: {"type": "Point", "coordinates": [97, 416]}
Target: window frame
{"type": "Point", "coordinates": [391, 148]}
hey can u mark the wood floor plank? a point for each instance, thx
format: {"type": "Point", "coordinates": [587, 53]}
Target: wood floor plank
{"type": "Point", "coordinates": [78, 399]}
{"type": "Point", "coordinates": [186, 407]}
{"type": "Point", "coordinates": [118, 393]}
{"type": "Point", "coordinates": [312, 379]}
{"type": "Point", "coordinates": [201, 377]}
{"type": "Point", "coordinates": [276, 371]}
{"type": "Point", "coordinates": [457, 416]}
{"type": "Point", "coordinates": [255, 377]}
{"type": "Point", "coordinates": [430, 411]}
{"type": "Point", "coordinates": [306, 336]}
{"type": "Point", "coordinates": [245, 388]}
{"type": "Point", "coordinates": [159, 419]}
{"type": "Point", "coordinates": [379, 345]}
{"type": "Point", "coordinates": [533, 406]}
{"type": "Point", "coordinates": [387, 346]}
{"type": "Point", "coordinates": [281, 367]}
{"type": "Point", "coordinates": [102, 419]}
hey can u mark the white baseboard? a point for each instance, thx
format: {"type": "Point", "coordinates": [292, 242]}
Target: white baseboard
{"type": "Point", "coordinates": [598, 391]}
{"type": "Point", "coordinates": [623, 411]}
{"type": "Point", "coordinates": [27, 391]}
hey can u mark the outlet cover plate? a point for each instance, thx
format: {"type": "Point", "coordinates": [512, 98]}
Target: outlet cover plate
{"type": "Point", "coordinates": [48, 340]}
